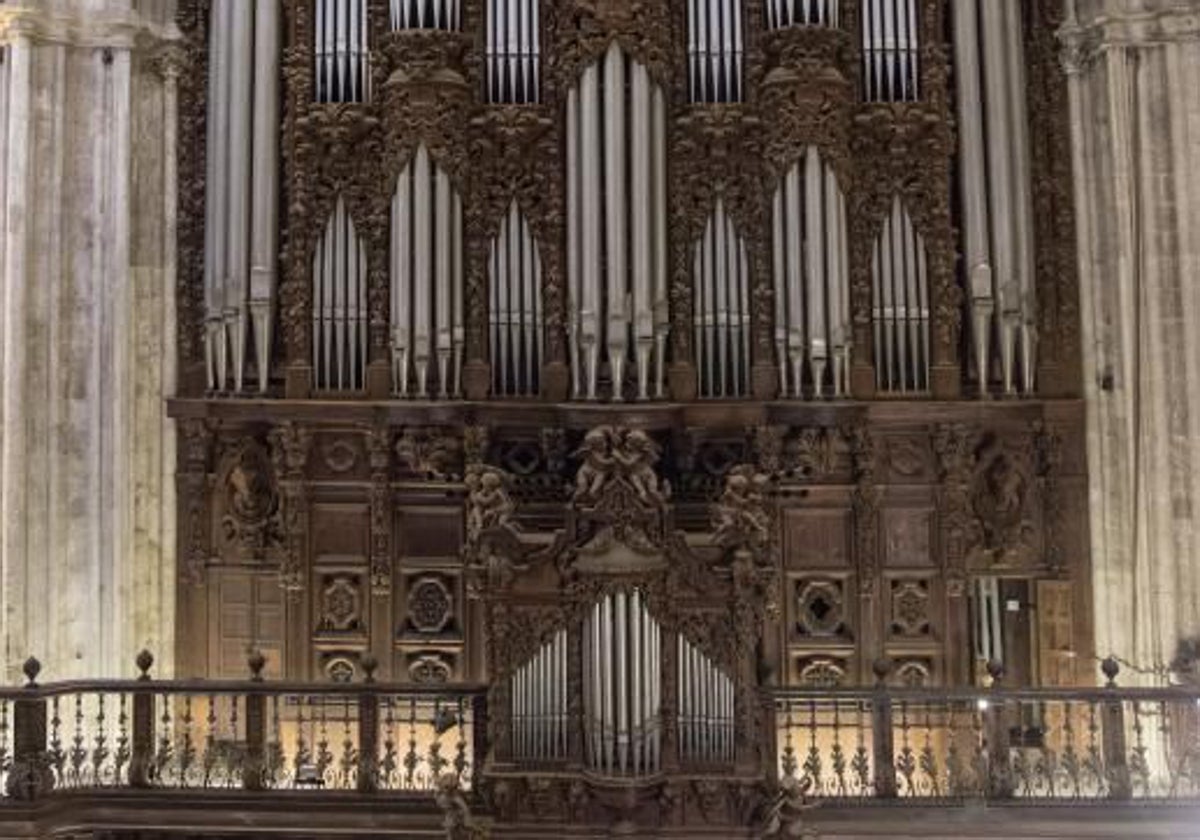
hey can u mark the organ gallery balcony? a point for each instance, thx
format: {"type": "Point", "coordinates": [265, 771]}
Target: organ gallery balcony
{"type": "Point", "coordinates": [429, 760]}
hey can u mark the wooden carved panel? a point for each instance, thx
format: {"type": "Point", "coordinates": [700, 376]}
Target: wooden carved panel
{"type": "Point", "coordinates": [814, 539]}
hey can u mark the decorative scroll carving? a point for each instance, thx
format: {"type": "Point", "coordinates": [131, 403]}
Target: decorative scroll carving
{"type": "Point", "coordinates": [290, 445]}
{"type": "Point", "coordinates": [864, 502]}
{"type": "Point", "coordinates": [430, 452]}
{"type": "Point", "coordinates": [430, 605]}
{"type": "Point", "coordinates": [954, 446]}
{"type": "Point", "coordinates": [1047, 447]}
{"type": "Point", "coordinates": [195, 442]}
{"type": "Point", "coordinates": [379, 458]}
{"type": "Point", "coordinates": [251, 499]}
{"type": "Point", "coordinates": [999, 499]}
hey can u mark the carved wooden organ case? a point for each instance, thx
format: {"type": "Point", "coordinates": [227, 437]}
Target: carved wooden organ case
{"type": "Point", "coordinates": [623, 651]}
{"type": "Point", "coordinates": [418, 240]}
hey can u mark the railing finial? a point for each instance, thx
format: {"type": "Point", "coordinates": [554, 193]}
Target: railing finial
{"type": "Point", "coordinates": [1110, 668]}
{"type": "Point", "coordinates": [369, 663]}
{"type": "Point", "coordinates": [31, 668]}
{"type": "Point", "coordinates": [882, 667]}
{"type": "Point", "coordinates": [256, 662]}
{"type": "Point", "coordinates": [144, 661]}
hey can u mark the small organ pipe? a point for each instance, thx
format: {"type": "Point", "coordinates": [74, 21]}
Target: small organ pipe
{"type": "Point", "coordinates": [442, 281]}
{"type": "Point", "coordinates": [574, 265]}
{"type": "Point", "coordinates": [814, 236]}
{"type": "Point", "coordinates": [658, 147]}
{"type": "Point", "coordinates": [401, 279]}
{"type": "Point", "coordinates": [265, 211]}
{"type": "Point", "coordinates": [422, 269]}
{"type": "Point", "coordinates": [1023, 257]}
{"type": "Point", "coordinates": [590, 218]}
{"type": "Point", "coordinates": [781, 293]}
{"type": "Point", "coordinates": [833, 269]}
{"type": "Point", "coordinates": [615, 214]}
{"type": "Point", "coordinates": [214, 279]}
{"type": "Point", "coordinates": [641, 207]}
{"type": "Point", "coordinates": [794, 233]}
{"type": "Point", "coordinates": [458, 326]}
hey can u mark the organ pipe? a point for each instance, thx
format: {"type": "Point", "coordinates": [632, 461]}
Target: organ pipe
{"type": "Point", "coordinates": [426, 282]}
{"type": "Point", "coordinates": [721, 315]}
{"type": "Point", "coordinates": [706, 707]}
{"type": "Point", "coordinates": [900, 288]}
{"type": "Point", "coordinates": [538, 697]}
{"type": "Point", "coordinates": [622, 643]}
{"type": "Point", "coordinates": [339, 305]}
{"type": "Point", "coordinates": [515, 310]}
{"type": "Point", "coordinates": [512, 60]}
{"type": "Point", "coordinates": [891, 45]}
{"type": "Point", "coordinates": [241, 210]}
{"type": "Point", "coordinates": [715, 50]}
{"type": "Point", "coordinates": [340, 49]}
{"type": "Point", "coordinates": [617, 227]}
{"type": "Point", "coordinates": [426, 14]}
{"type": "Point", "coordinates": [783, 13]}
{"type": "Point", "coordinates": [996, 191]}
{"type": "Point", "coordinates": [811, 280]}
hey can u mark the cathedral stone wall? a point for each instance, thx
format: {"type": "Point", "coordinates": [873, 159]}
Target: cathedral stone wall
{"type": "Point", "coordinates": [1134, 71]}
{"type": "Point", "coordinates": [87, 458]}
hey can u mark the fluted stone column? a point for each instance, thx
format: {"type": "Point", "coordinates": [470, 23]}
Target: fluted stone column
{"type": "Point", "coordinates": [87, 327]}
{"type": "Point", "coordinates": [1134, 68]}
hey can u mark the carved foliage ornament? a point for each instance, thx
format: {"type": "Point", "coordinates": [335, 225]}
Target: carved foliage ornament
{"type": "Point", "coordinates": [251, 519]}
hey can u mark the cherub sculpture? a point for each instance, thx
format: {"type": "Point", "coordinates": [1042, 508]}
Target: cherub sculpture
{"type": "Point", "coordinates": [456, 814]}
{"type": "Point", "coordinates": [597, 464]}
{"type": "Point", "coordinates": [488, 502]}
{"type": "Point", "coordinates": [784, 816]}
{"type": "Point", "coordinates": [741, 517]}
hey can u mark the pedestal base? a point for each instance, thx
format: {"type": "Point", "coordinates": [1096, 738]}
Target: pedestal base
{"type": "Point", "coordinates": [681, 380]}
{"type": "Point", "coordinates": [764, 382]}
{"type": "Point", "coordinates": [556, 382]}
{"type": "Point", "coordinates": [297, 382]}
{"type": "Point", "coordinates": [477, 380]}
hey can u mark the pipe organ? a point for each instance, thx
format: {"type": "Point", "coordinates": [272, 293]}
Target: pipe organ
{"type": "Point", "coordinates": [715, 50]}
{"type": "Point", "coordinates": [706, 705]}
{"type": "Point", "coordinates": [811, 280]}
{"type": "Point", "coordinates": [891, 49]}
{"type": "Point", "coordinates": [515, 311]}
{"type": "Point", "coordinates": [342, 69]}
{"type": "Point", "coordinates": [539, 704]}
{"type": "Point", "coordinates": [782, 13]}
{"type": "Point", "coordinates": [340, 305]}
{"type": "Point", "coordinates": [426, 14]}
{"type": "Point", "coordinates": [617, 237]}
{"type": "Point", "coordinates": [426, 281]}
{"type": "Point", "coordinates": [513, 59]}
{"type": "Point", "coordinates": [241, 213]}
{"type": "Point", "coordinates": [900, 315]}
{"type": "Point", "coordinates": [622, 690]}
{"type": "Point", "coordinates": [997, 191]}
{"type": "Point", "coordinates": [721, 295]}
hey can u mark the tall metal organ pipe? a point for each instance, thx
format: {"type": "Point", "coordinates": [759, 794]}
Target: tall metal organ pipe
{"type": "Point", "coordinates": [721, 308]}
{"type": "Point", "coordinates": [426, 282]}
{"type": "Point", "coordinates": [622, 698]}
{"type": "Point", "coordinates": [512, 51]}
{"type": "Point", "coordinates": [342, 71]}
{"type": "Point", "coordinates": [891, 44]}
{"type": "Point", "coordinates": [810, 266]}
{"type": "Point", "coordinates": [715, 50]}
{"type": "Point", "coordinates": [782, 13]}
{"type": "Point", "coordinates": [515, 311]}
{"type": "Point", "coordinates": [616, 215]}
{"type": "Point", "coordinates": [340, 305]}
{"type": "Point", "coordinates": [241, 212]}
{"type": "Point", "coordinates": [426, 14]}
{"type": "Point", "coordinates": [706, 708]}
{"type": "Point", "coordinates": [538, 702]}
{"type": "Point", "coordinates": [996, 189]}
{"type": "Point", "coordinates": [900, 288]}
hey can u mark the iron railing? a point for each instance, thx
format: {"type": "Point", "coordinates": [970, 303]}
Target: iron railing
{"type": "Point", "coordinates": [249, 735]}
{"type": "Point", "coordinates": [1036, 745]}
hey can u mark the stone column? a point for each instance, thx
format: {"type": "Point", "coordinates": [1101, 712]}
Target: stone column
{"type": "Point", "coordinates": [1135, 120]}
{"type": "Point", "coordinates": [86, 546]}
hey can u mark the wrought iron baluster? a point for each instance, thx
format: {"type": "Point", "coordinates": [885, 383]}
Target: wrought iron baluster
{"type": "Point", "coordinates": [788, 764]}
{"type": "Point", "coordinates": [460, 747]}
{"type": "Point", "coordinates": [928, 761]}
{"type": "Point", "coordinates": [187, 745]}
{"type": "Point", "coordinates": [324, 755]}
{"type": "Point", "coordinates": [838, 755]}
{"type": "Point", "coordinates": [1072, 768]}
{"type": "Point", "coordinates": [905, 762]}
{"type": "Point", "coordinates": [78, 753]}
{"type": "Point", "coordinates": [349, 757]}
{"type": "Point", "coordinates": [100, 753]}
{"type": "Point", "coordinates": [812, 763]}
{"type": "Point", "coordinates": [388, 762]}
{"type": "Point", "coordinates": [124, 750]}
{"type": "Point", "coordinates": [1139, 767]}
{"type": "Point", "coordinates": [411, 758]}
{"type": "Point", "coordinates": [861, 763]}
{"type": "Point", "coordinates": [208, 762]}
